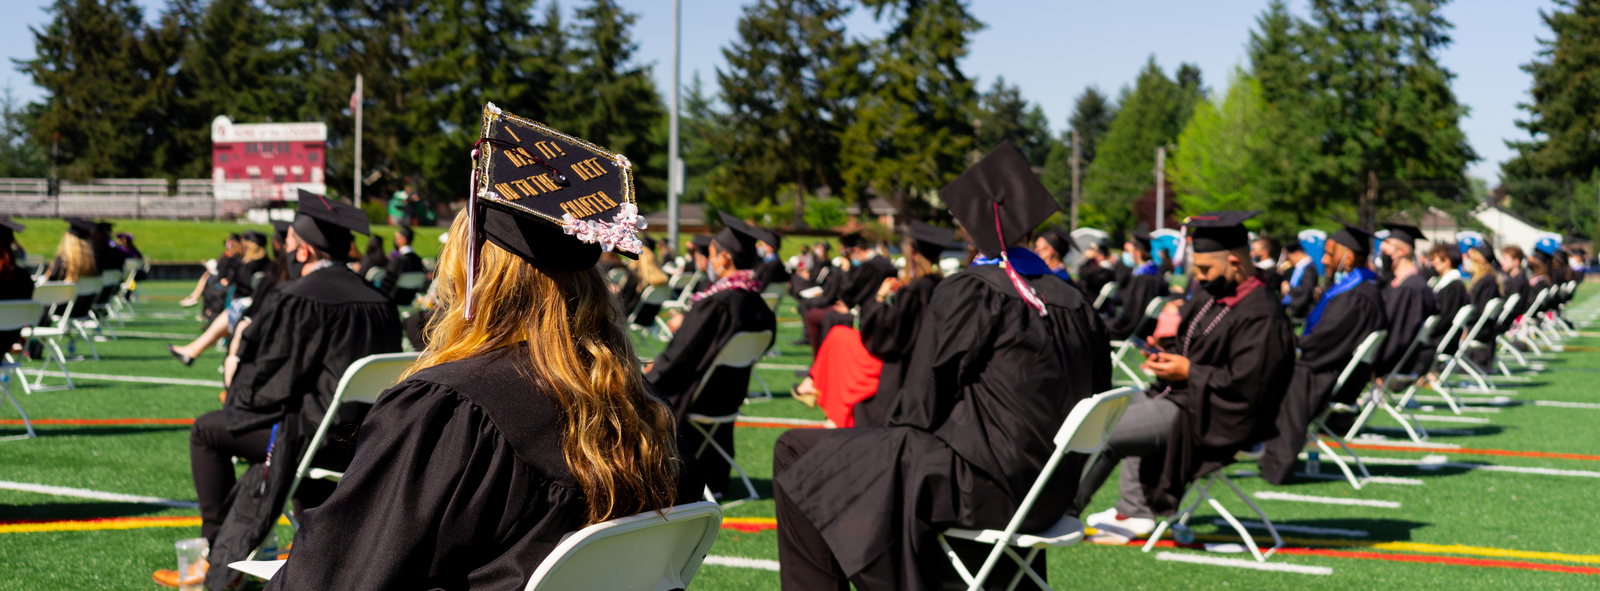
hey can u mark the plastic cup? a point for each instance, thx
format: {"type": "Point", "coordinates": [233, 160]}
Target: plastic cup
{"type": "Point", "coordinates": [192, 564]}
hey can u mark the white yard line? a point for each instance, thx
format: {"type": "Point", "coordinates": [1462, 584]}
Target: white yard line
{"type": "Point", "coordinates": [1476, 466]}
{"type": "Point", "coordinates": [1565, 404]}
{"type": "Point", "coordinates": [1282, 496]}
{"type": "Point", "coordinates": [781, 366]}
{"type": "Point", "coordinates": [1239, 563]}
{"type": "Point", "coordinates": [95, 494]}
{"type": "Point", "coordinates": [737, 562]}
{"type": "Point", "coordinates": [1297, 529]}
{"type": "Point", "coordinates": [134, 379]}
{"type": "Point", "coordinates": [1452, 419]}
{"type": "Point", "coordinates": [1406, 443]}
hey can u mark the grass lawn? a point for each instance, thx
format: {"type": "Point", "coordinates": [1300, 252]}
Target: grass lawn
{"type": "Point", "coordinates": [191, 242]}
{"type": "Point", "coordinates": [1460, 528]}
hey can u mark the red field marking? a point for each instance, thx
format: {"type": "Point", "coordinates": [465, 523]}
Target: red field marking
{"type": "Point", "coordinates": [750, 525]}
{"type": "Point", "coordinates": [100, 422]}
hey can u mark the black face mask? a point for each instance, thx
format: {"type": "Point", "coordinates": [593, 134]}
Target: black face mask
{"type": "Point", "coordinates": [294, 267]}
{"type": "Point", "coordinates": [1387, 262]}
{"type": "Point", "coordinates": [1220, 287]}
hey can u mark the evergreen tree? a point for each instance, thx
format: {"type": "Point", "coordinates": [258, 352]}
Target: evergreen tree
{"type": "Point", "coordinates": [1214, 165]}
{"type": "Point", "coordinates": [1004, 115]}
{"type": "Point", "coordinates": [913, 132]}
{"type": "Point", "coordinates": [1091, 118]}
{"type": "Point", "coordinates": [1275, 60]}
{"type": "Point", "coordinates": [1151, 114]}
{"type": "Point", "coordinates": [787, 92]}
{"type": "Point", "coordinates": [1563, 150]}
{"type": "Point", "coordinates": [1287, 153]}
{"type": "Point", "coordinates": [612, 100]}
{"type": "Point", "coordinates": [21, 156]}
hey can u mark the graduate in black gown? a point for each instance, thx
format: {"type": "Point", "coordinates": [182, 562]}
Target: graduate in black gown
{"type": "Point", "coordinates": [75, 259]}
{"type": "Point", "coordinates": [252, 259]}
{"type": "Point", "coordinates": [1300, 286]}
{"type": "Point", "coordinates": [290, 361]}
{"type": "Point", "coordinates": [1095, 273]}
{"type": "Point", "coordinates": [890, 321]}
{"type": "Point", "coordinates": [853, 287]}
{"type": "Point", "coordinates": [770, 269]}
{"type": "Point", "coordinates": [468, 473]}
{"type": "Point", "coordinates": [1218, 385]}
{"type": "Point", "coordinates": [1514, 280]}
{"type": "Point", "coordinates": [994, 374]}
{"type": "Point", "coordinates": [731, 305]}
{"type": "Point", "coordinates": [15, 282]}
{"type": "Point", "coordinates": [1350, 310]}
{"type": "Point", "coordinates": [1145, 284]}
{"type": "Point", "coordinates": [403, 260]}
{"type": "Point", "coordinates": [1053, 246]}
{"type": "Point", "coordinates": [1484, 285]}
{"type": "Point", "coordinates": [1450, 290]}
{"type": "Point", "coordinates": [1407, 301]}
{"type": "Point", "coordinates": [1264, 253]}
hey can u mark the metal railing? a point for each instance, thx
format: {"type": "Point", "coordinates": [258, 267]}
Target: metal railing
{"type": "Point", "coordinates": [119, 198]}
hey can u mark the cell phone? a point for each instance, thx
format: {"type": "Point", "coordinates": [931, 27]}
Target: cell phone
{"type": "Point", "coordinates": [1144, 346]}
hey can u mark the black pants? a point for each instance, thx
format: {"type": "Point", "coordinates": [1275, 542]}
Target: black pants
{"type": "Point", "coordinates": [211, 451]}
{"type": "Point", "coordinates": [712, 466]}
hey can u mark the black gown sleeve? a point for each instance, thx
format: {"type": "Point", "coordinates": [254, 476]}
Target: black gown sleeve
{"type": "Point", "coordinates": [1141, 290]}
{"type": "Point", "coordinates": [887, 329]}
{"type": "Point", "coordinates": [1303, 297]}
{"type": "Point", "coordinates": [678, 368]}
{"type": "Point", "coordinates": [1345, 322]}
{"type": "Point", "coordinates": [433, 494]}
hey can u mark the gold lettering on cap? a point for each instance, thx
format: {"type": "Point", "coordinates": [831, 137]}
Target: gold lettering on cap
{"type": "Point", "coordinates": [513, 134]}
{"type": "Point", "coordinates": [549, 149]}
{"type": "Point", "coordinates": [589, 169]}
{"type": "Point", "coordinates": [588, 205]}
{"type": "Point", "coordinates": [543, 182]}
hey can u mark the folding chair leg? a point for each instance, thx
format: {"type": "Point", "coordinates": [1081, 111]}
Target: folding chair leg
{"type": "Point", "coordinates": [1408, 424]}
{"type": "Point", "coordinates": [764, 389]}
{"type": "Point", "coordinates": [14, 404]}
{"type": "Point", "coordinates": [60, 360]}
{"type": "Point", "coordinates": [1367, 409]}
{"type": "Point", "coordinates": [1117, 358]}
{"type": "Point", "coordinates": [1198, 489]}
{"type": "Point", "coordinates": [1249, 541]}
{"type": "Point", "coordinates": [1025, 567]}
{"type": "Point", "coordinates": [749, 486]}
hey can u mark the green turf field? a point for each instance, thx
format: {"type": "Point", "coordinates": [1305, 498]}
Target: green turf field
{"type": "Point", "coordinates": [1462, 526]}
{"type": "Point", "coordinates": [191, 242]}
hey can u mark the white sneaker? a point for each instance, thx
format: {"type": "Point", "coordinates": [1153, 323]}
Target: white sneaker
{"type": "Point", "coordinates": [1127, 527]}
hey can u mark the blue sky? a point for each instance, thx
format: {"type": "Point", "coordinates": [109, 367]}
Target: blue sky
{"type": "Point", "coordinates": [1054, 49]}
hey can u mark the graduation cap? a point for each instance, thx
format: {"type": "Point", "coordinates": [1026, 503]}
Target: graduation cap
{"type": "Point", "coordinates": [932, 240]}
{"type": "Point", "coordinates": [1356, 239]}
{"type": "Point", "coordinates": [407, 232]}
{"type": "Point", "coordinates": [999, 197]}
{"type": "Point", "coordinates": [1142, 240]}
{"type": "Point", "coordinates": [1060, 240]}
{"type": "Point", "coordinates": [327, 223]}
{"type": "Point", "coordinates": [280, 230]}
{"type": "Point", "coordinates": [1404, 233]}
{"type": "Point", "coordinates": [256, 237]}
{"type": "Point", "coordinates": [738, 239]}
{"type": "Point", "coordinates": [1217, 231]}
{"type": "Point", "coordinates": [80, 227]}
{"type": "Point", "coordinates": [852, 240]}
{"type": "Point", "coordinates": [552, 199]}
{"type": "Point", "coordinates": [1000, 184]}
{"type": "Point", "coordinates": [8, 230]}
{"type": "Point", "coordinates": [103, 227]}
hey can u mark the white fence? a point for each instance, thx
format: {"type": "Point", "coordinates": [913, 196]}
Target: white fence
{"type": "Point", "coordinates": [118, 198]}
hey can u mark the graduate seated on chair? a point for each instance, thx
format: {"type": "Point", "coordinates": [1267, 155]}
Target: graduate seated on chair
{"type": "Point", "coordinates": [1350, 310]}
{"type": "Point", "coordinates": [1450, 290]}
{"type": "Point", "coordinates": [1407, 301]}
{"type": "Point", "coordinates": [732, 304]}
{"type": "Point", "coordinates": [1004, 352]}
{"type": "Point", "coordinates": [526, 418]}
{"type": "Point", "coordinates": [858, 284]}
{"type": "Point", "coordinates": [289, 364]}
{"type": "Point", "coordinates": [1219, 382]}
{"type": "Point", "coordinates": [1144, 283]}
{"type": "Point", "coordinates": [1095, 273]}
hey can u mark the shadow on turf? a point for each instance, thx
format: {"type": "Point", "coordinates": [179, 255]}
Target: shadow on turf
{"type": "Point", "coordinates": [77, 510]}
{"type": "Point", "coordinates": [54, 431]}
{"type": "Point", "coordinates": [1378, 530]}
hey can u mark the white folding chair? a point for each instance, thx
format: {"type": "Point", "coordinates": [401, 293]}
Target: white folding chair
{"type": "Point", "coordinates": [1450, 336]}
{"type": "Point", "coordinates": [1460, 360]}
{"type": "Point", "coordinates": [742, 350]}
{"type": "Point", "coordinates": [1085, 431]}
{"type": "Point", "coordinates": [16, 315]}
{"type": "Point", "coordinates": [60, 298]}
{"type": "Point", "coordinates": [412, 280]}
{"type": "Point", "coordinates": [375, 275]}
{"type": "Point", "coordinates": [684, 287]}
{"type": "Point", "coordinates": [88, 291]}
{"type": "Point", "coordinates": [617, 276]}
{"type": "Point", "coordinates": [1106, 291]}
{"type": "Point", "coordinates": [651, 296]}
{"type": "Point", "coordinates": [1201, 490]}
{"type": "Point", "coordinates": [1151, 310]}
{"type": "Point", "coordinates": [362, 382]}
{"type": "Point", "coordinates": [773, 294]}
{"type": "Point", "coordinates": [1364, 353]}
{"type": "Point", "coordinates": [650, 551]}
{"type": "Point", "coordinates": [104, 309]}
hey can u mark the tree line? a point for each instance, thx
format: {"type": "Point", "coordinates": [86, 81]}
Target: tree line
{"type": "Point", "coordinates": [1343, 114]}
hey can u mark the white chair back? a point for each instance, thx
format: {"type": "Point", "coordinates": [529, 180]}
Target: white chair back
{"type": "Point", "coordinates": [54, 293]}
{"type": "Point", "coordinates": [1458, 324]}
{"type": "Point", "coordinates": [132, 266]}
{"type": "Point", "coordinates": [645, 552]}
{"type": "Point", "coordinates": [16, 314]}
{"type": "Point", "coordinates": [1364, 354]}
{"type": "Point", "coordinates": [1089, 425]}
{"type": "Point", "coordinates": [88, 286]}
{"type": "Point", "coordinates": [375, 275]}
{"type": "Point", "coordinates": [617, 276]}
{"type": "Point", "coordinates": [1489, 309]}
{"type": "Point", "coordinates": [1106, 291]}
{"type": "Point", "coordinates": [110, 277]}
{"type": "Point", "coordinates": [412, 280]}
{"type": "Point", "coordinates": [1510, 305]}
{"type": "Point", "coordinates": [742, 350]}
{"type": "Point", "coordinates": [949, 266]}
{"type": "Point", "coordinates": [369, 376]}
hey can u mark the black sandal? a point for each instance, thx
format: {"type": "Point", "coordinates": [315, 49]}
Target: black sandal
{"type": "Point", "coordinates": [187, 360]}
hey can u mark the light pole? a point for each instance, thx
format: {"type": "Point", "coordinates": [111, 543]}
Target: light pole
{"type": "Point", "coordinates": [674, 165]}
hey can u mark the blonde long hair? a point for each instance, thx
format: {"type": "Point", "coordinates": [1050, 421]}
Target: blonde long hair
{"type": "Point", "coordinates": [74, 258]}
{"type": "Point", "coordinates": [1479, 268]}
{"type": "Point", "coordinates": [648, 270]}
{"type": "Point", "coordinates": [252, 251]}
{"type": "Point", "coordinates": [621, 441]}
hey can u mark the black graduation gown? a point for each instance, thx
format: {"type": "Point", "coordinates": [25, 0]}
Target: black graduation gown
{"type": "Point", "coordinates": [1238, 373]}
{"type": "Point", "coordinates": [1303, 297]}
{"type": "Point", "coordinates": [1272, 279]}
{"type": "Point", "coordinates": [889, 332]}
{"type": "Point", "coordinates": [15, 284]}
{"type": "Point", "coordinates": [1485, 289]}
{"type": "Point", "coordinates": [1345, 322]}
{"type": "Point", "coordinates": [989, 384]}
{"type": "Point", "coordinates": [1093, 278]}
{"type": "Point", "coordinates": [239, 276]}
{"type": "Point", "coordinates": [1121, 273]}
{"type": "Point", "coordinates": [459, 481]}
{"type": "Point", "coordinates": [299, 344]}
{"type": "Point", "coordinates": [770, 272]}
{"type": "Point", "coordinates": [706, 327]}
{"type": "Point", "coordinates": [402, 263]}
{"type": "Point", "coordinates": [1135, 296]}
{"type": "Point", "coordinates": [1452, 297]}
{"type": "Point", "coordinates": [1406, 307]}
{"type": "Point", "coordinates": [270, 283]}
{"type": "Point", "coordinates": [1516, 284]}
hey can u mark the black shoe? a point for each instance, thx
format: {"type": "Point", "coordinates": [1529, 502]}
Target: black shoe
{"type": "Point", "coordinates": [801, 342]}
{"type": "Point", "coordinates": [187, 360]}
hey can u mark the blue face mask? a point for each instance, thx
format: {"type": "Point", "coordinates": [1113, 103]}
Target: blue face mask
{"type": "Point", "coordinates": [1127, 258]}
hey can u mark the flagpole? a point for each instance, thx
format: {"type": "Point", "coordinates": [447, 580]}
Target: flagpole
{"type": "Point", "coordinates": [356, 191]}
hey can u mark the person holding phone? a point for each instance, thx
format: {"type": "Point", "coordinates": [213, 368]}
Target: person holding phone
{"type": "Point", "coordinates": [1218, 385]}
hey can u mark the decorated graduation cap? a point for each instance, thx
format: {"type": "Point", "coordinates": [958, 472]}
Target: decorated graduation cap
{"type": "Point", "coordinates": [552, 199]}
{"type": "Point", "coordinates": [1216, 231]}
{"type": "Point", "coordinates": [932, 240]}
{"type": "Point", "coordinates": [738, 239]}
{"type": "Point", "coordinates": [1356, 239]}
{"type": "Point", "coordinates": [327, 223]}
{"type": "Point", "coordinates": [996, 198]}
{"type": "Point", "coordinates": [80, 227]}
{"type": "Point", "coordinates": [1405, 233]}
{"type": "Point", "coordinates": [8, 230]}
